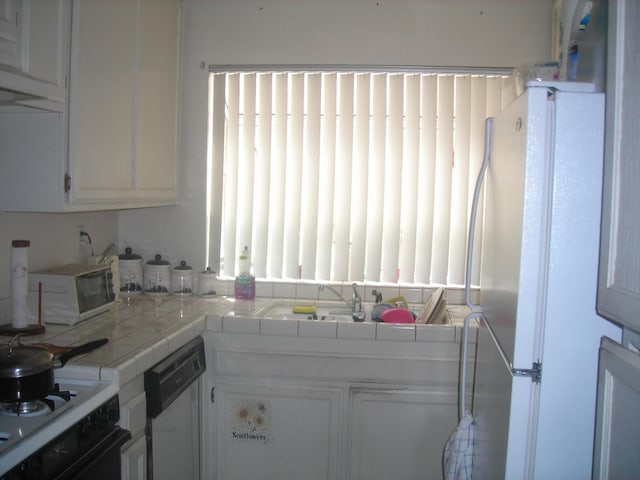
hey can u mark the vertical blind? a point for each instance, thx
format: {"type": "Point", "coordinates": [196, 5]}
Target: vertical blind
{"type": "Point", "coordinates": [347, 176]}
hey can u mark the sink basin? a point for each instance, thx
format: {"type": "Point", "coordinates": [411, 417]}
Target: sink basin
{"type": "Point", "coordinates": [327, 311]}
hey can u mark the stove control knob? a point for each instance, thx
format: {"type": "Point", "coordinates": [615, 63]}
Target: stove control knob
{"type": "Point", "coordinates": [112, 413]}
{"type": "Point", "coordinates": [88, 428]}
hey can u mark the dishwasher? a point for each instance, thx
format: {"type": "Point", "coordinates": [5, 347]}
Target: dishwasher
{"type": "Point", "coordinates": [172, 387]}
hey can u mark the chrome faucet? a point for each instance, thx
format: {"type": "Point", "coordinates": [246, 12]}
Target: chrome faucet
{"type": "Point", "coordinates": [356, 301]}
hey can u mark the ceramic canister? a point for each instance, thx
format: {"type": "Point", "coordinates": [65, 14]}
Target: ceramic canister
{"type": "Point", "coordinates": [130, 272]}
{"type": "Point", "coordinates": [157, 276]}
{"type": "Point", "coordinates": [207, 283]}
{"type": "Point", "coordinates": [182, 279]}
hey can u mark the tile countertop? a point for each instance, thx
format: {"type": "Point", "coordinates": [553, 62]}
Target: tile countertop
{"type": "Point", "coordinates": [141, 331]}
{"type": "Point", "coordinates": [144, 330]}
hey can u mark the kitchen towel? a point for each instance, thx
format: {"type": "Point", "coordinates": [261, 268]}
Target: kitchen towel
{"type": "Point", "coordinates": [458, 451]}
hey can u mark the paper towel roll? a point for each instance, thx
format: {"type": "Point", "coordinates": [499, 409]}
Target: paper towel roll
{"type": "Point", "coordinates": [19, 282]}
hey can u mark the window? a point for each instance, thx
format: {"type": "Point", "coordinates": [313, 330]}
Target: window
{"type": "Point", "coordinates": [346, 175]}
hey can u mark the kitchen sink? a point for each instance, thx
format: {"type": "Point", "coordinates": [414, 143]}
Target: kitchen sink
{"type": "Point", "coordinates": [327, 311]}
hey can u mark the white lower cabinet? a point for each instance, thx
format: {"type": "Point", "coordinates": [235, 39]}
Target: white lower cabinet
{"type": "Point", "coordinates": [277, 429]}
{"type": "Point", "coordinates": [133, 417]}
{"type": "Point", "coordinates": [325, 409]}
{"type": "Point", "coordinates": [274, 428]}
{"type": "Point", "coordinates": [134, 461]}
{"type": "Point", "coordinates": [398, 433]}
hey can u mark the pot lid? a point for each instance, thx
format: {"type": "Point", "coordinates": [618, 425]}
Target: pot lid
{"type": "Point", "coordinates": [17, 361]}
{"type": "Point", "coordinates": [128, 255]}
{"type": "Point", "coordinates": [158, 261]}
{"type": "Point", "coordinates": [183, 266]}
{"type": "Point", "coordinates": [20, 243]}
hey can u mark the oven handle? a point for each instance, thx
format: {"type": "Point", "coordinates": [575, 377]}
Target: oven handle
{"type": "Point", "coordinates": [114, 440]}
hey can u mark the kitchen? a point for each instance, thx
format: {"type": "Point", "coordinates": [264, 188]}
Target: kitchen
{"type": "Point", "coordinates": [465, 33]}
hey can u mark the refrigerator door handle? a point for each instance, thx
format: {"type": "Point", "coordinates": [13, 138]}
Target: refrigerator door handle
{"type": "Point", "coordinates": [488, 128]}
{"type": "Point", "coordinates": [462, 387]}
{"type": "Point", "coordinates": [476, 310]}
{"type": "Point", "coordinates": [535, 372]}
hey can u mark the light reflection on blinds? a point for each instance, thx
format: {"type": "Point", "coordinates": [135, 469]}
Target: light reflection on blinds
{"type": "Point", "coordinates": [349, 176]}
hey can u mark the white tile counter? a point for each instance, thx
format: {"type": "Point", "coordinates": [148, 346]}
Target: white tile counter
{"type": "Point", "coordinates": [144, 330]}
{"type": "Point", "coordinates": [141, 332]}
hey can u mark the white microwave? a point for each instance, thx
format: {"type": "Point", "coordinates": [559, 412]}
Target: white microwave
{"type": "Point", "coordinates": [70, 293]}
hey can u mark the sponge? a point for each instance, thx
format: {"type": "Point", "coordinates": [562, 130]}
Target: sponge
{"type": "Point", "coordinates": [398, 301]}
{"type": "Point", "coordinates": [305, 309]}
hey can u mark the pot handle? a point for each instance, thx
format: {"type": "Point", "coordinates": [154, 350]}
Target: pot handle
{"type": "Point", "coordinates": [85, 348]}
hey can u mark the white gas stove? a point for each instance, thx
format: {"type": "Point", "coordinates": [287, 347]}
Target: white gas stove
{"type": "Point", "coordinates": [48, 435]}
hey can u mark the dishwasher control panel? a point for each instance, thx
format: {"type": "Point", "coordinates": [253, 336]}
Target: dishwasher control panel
{"type": "Point", "coordinates": [166, 380]}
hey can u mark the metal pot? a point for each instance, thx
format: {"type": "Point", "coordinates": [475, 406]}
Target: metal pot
{"type": "Point", "coordinates": [26, 371]}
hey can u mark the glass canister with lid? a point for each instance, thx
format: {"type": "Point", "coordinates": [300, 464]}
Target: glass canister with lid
{"type": "Point", "coordinates": [207, 283]}
{"type": "Point", "coordinates": [130, 272]}
{"type": "Point", "coordinates": [157, 276]}
{"type": "Point", "coordinates": [182, 279]}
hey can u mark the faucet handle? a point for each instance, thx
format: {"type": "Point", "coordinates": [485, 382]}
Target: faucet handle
{"type": "Point", "coordinates": [378, 296]}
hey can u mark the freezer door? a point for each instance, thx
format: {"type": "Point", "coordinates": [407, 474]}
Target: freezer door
{"type": "Point", "coordinates": [515, 225]}
{"type": "Point", "coordinates": [514, 257]}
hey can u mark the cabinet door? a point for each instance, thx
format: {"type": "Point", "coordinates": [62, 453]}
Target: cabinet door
{"type": "Point", "coordinates": [123, 103]}
{"type": "Point", "coordinates": [619, 277]}
{"type": "Point", "coordinates": [134, 461]}
{"type": "Point", "coordinates": [277, 430]}
{"type": "Point", "coordinates": [47, 57]}
{"type": "Point", "coordinates": [103, 60]}
{"type": "Point", "coordinates": [9, 33]}
{"type": "Point", "coordinates": [157, 98]}
{"type": "Point", "coordinates": [399, 434]}
{"type": "Point", "coordinates": [617, 419]}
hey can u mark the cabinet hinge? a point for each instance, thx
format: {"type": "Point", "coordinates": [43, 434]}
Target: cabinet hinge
{"type": "Point", "coordinates": [67, 183]}
{"type": "Point", "coordinates": [535, 372]}
{"type": "Point", "coordinates": [213, 394]}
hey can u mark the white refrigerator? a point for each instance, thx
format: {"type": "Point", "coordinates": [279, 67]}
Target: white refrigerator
{"type": "Point", "coordinates": [534, 396]}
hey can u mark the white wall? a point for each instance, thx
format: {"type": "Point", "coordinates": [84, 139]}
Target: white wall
{"type": "Point", "coordinates": [374, 32]}
{"type": "Point", "coordinates": [494, 33]}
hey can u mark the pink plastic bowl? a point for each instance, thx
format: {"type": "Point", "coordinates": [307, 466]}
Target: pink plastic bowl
{"type": "Point", "coordinates": [397, 315]}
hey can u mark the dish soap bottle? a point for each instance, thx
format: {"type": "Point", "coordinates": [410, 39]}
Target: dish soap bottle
{"type": "Point", "coordinates": [245, 284]}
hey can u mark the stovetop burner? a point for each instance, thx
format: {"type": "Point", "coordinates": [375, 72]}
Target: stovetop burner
{"type": "Point", "coordinates": [34, 408]}
{"type": "Point", "coordinates": [27, 426]}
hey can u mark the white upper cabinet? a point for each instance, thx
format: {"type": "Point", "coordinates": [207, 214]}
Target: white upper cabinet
{"type": "Point", "coordinates": [9, 33]}
{"type": "Point", "coordinates": [102, 100]}
{"type": "Point", "coordinates": [34, 49]}
{"type": "Point", "coordinates": [123, 103]}
{"type": "Point", "coordinates": [156, 97]}
{"type": "Point", "coordinates": [619, 278]}
{"type": "Point", "coordinates": [113, 145]}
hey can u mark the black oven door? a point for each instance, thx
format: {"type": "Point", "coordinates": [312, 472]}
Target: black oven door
{"type": "Point", "coordinates": [101, 462]}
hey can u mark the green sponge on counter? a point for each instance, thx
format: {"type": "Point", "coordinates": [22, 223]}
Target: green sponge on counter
{"type": "Point", "coordinates": [309, 309]}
